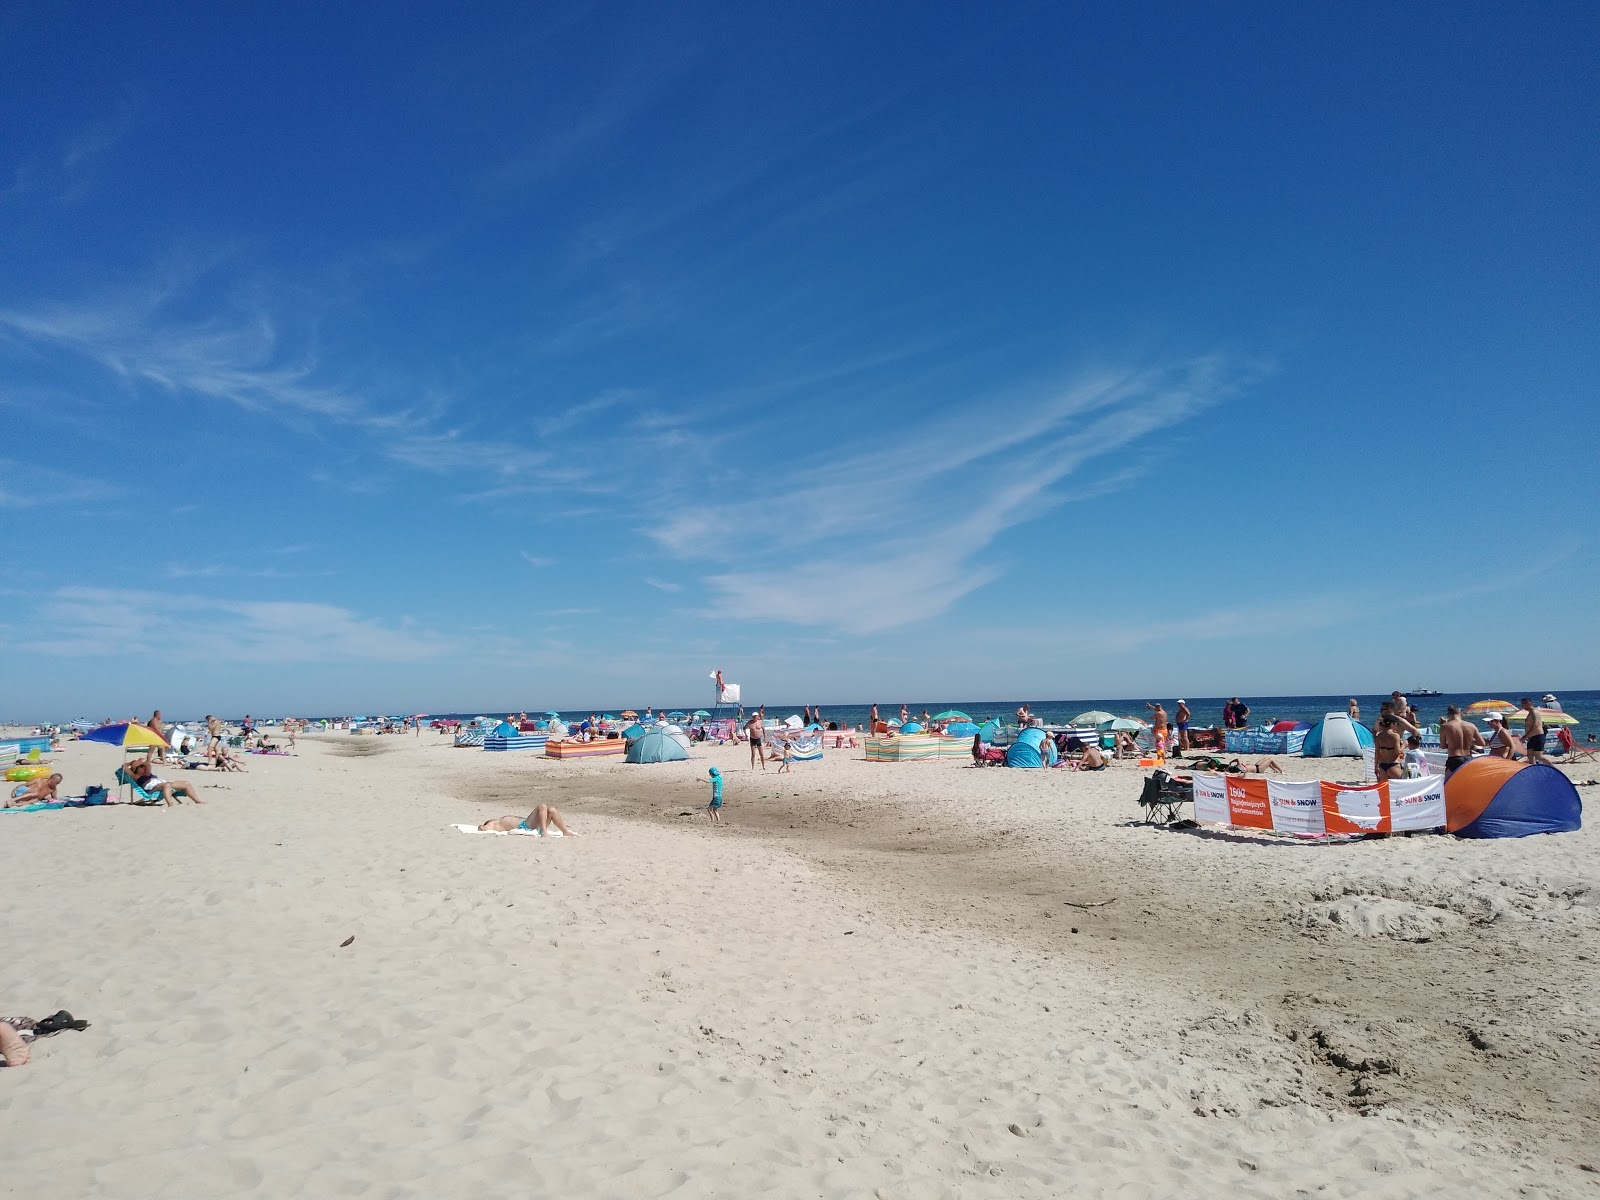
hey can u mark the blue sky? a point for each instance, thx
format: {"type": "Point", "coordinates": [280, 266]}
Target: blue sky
{"type": "Point", "coordinates": [362, 359]}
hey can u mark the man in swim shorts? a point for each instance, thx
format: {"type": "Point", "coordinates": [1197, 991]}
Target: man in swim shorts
{"type": "Point", "coordinates": [1158, 726]}
{"type": "Point", "coordinates": [1459, 739]}
{"type": "Point", "coordinates": [538, 821]}
{"type": "Point", "coordinates": [1533, 733]}
{"type": "Point", "coordinates": [756, 729]}
{"type": "Point", "coordinates": [1181, 715]}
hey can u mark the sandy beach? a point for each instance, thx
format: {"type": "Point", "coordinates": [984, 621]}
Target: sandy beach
{"type": "Point", "coordinates": [895, 980]}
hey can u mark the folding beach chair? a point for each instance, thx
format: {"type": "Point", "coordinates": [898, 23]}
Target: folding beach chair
{"type": "Point", "coordinates": [136, 794]}
{"type": "Point", "coordinates": [1163, 798]}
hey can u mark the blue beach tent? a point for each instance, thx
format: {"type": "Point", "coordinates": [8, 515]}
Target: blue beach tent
{"type": "Point", "coordinates": [656, 746]}
{"type": "Point", "coordinates": [1031, 749]}
{"type": "Point", "coordinates": [1336, 736]}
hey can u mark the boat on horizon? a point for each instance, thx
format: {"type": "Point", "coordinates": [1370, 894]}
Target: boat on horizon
{"type": "Point", "coordinates": [1421, 691]}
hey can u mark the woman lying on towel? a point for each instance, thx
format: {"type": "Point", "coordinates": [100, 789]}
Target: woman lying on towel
{"type": "Point", "coordinates": [1207, 762]}
{"type": "Point", "coordinates": [539, 821]}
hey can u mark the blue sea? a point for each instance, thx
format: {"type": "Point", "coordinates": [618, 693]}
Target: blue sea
{"type": "Point", "coordinates": [1584, 706]}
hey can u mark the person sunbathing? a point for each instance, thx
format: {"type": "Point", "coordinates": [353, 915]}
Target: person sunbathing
{"type": "Point", "coordinates": [539, 821]}
{"type": "Point", "coordinates": [37, 791]}
{"type": "Point", "coordinates": [1210, 762]}
{"type": "Point", "coordinates": [1260, 767]}
{"type": "Point", "coordinates": [144, 776]}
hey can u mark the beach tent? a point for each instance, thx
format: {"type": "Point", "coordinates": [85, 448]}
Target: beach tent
{"type": "Point", "coordinates": [989, 730]}
{"type": "Point", "coordinates": [657, 746]}
{"type": "Point", "coordinates": [678, 734]}
{"type": "Point", "coordinates": [506, 730]}
{"type": "Point", "coordinates": [911, 727]}
{"type": "Point", "coordinates": [805, 748]}
{"type": "Point", "coordinates": [1031, 749]}
{"type": "Point", "coordinates": [1336, 736]}
{"type": "Point", "coordinates": [961, 729]}
{"type": "Point", "coordinates": [1500, 798]}
{"type": "Point", "coordinates": [1289, 726]}
{"type": "Point", "coordinates": [633, 732]}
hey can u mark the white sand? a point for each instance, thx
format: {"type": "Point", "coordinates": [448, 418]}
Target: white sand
{"type": "Point", "coordinates": [867, 984]}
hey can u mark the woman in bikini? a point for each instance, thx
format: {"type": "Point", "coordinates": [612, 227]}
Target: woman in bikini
{"type": "Point", "coordinates": [1389, 752]}
{"type": "Point", "coordinates": [538, 821]}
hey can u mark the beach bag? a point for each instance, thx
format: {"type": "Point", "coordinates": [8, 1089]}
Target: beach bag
{"type": "Point", "coordinates": [95, 794]}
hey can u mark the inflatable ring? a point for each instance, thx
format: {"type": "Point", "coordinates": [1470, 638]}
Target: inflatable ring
{"type": "Point", "coordinates": [24, 774]}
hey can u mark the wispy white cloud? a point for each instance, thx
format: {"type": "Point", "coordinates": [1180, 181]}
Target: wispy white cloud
{"type": "Point", "coordinates": [236, 571]}
{"type": "Point", "coordinates": [30, 485]}
{"type": "Point", "coordinates": [663, 585]}
{"type": "Point", "coordinates": [898, 533]}
{"type": "Point", "coordinates": [537, 560]}
{"type": "Point", "coordinates": [239, 353]}
{"type": "Point", "coordinates": [107, 622]}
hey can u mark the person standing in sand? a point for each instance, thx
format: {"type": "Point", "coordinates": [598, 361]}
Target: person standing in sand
{"type": "Point", "coordinates": [1158, 725]}
{"type": "Point", "coordinates": [1459, 739]}
{"type": "Point", "coordinates": [214, 732]}
{"type": "Point", "coordinates": [1353, 709]}
{"type": "Point", "coordinates": [1533, 733]}
{"type": "Point", "coordinates": [1389, 751]}
{"type": "Point", "coordinates": [1182, 715]}
{"type": "Point", "coordinates": [872, 721]}
{"type": "Point", "coordinates": [157, 727]}
{"type": "Point", "coordinates": [714, 808]}
{"type": "Point", "coordinates": [756, 729]}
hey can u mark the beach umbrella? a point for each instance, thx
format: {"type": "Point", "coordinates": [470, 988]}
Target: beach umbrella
{"type": "Point", "coordinates": [628, 712]}
{"type": "Point", "coordinates": [700, 712]}
{"type": "Point", "coordinates": [125, 734]}
{"type": "Point", "coordinates": [1094, 716]}
{"type": "Point", "coordinates": [911, 727]}
{"type": "Point", "coordinates": [675, 715]}
{"type": "Point", "coordinates": [1489, 706]}
{"type": "Point", "coordinates": [1548, 715]}
{"type": "Point", "coordinates": [954, 714]}
{"type": "Point", "coordinates": [607, 717]}
{"type": "Point", "coordinates": [1122, 725]}
{"type": "Point", "coordinates": [961, 729]}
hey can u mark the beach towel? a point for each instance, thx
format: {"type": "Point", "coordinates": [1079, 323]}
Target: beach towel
{"type": "Point", "coordinates": [502, 833]}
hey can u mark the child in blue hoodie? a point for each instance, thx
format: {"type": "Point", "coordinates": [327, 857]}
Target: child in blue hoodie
{"type": "Point", "coordinates": [714, 809]}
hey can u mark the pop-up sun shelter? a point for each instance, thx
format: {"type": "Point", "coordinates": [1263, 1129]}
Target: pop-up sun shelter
{"type": "Point", "coordinates": [1031, 749]}
{"type": "Point", "coordinates": [656, 746]}
{"type": "Point", "coordinates": [1336, 736]}
{"type": "Point", "coordinates": [1500, 798]}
